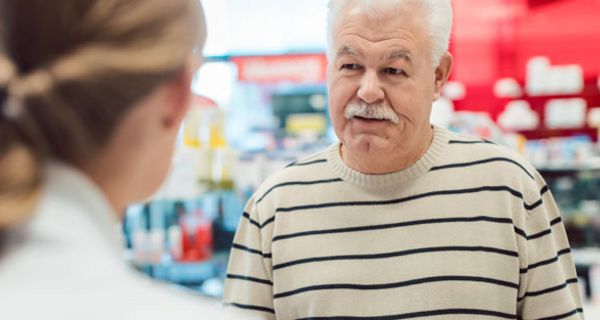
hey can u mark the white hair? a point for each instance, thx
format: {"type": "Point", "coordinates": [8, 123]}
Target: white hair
{"type": "Point", "coordinates": [438, 14]}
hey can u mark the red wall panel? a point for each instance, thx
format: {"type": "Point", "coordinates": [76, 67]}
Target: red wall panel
{"type": "Point", "coordinates": [493, 39]}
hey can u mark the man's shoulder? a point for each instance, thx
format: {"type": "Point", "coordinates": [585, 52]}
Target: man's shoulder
{"type": "Point", "coordinates": [305, 171]}
{"type": "Point", "coordinates": [484, 158]}
{"type": "Point", "coordinates": [467, 148]}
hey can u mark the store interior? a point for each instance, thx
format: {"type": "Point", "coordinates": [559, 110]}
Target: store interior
{"type": "Point", "coordinates": [526, 75]}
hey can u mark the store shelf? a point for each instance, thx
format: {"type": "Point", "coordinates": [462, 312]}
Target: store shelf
{"type": "Point", "coordinates": [568, 169]}
{"type": "Point", "coordinates": [586, 256]}
{"type": "Point", "coordinates": [187, 274]}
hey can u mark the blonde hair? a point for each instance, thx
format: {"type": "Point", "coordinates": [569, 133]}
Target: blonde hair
{"type": "Point", "coordinates": [438, 14]}
{"type": "Point", "coordinates": [70, 70]}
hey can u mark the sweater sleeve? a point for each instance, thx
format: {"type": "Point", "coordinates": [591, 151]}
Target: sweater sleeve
{"type": "Point", "coordinates": [249, 283]}
{"type": "Point", "coordinates": [548, 287]}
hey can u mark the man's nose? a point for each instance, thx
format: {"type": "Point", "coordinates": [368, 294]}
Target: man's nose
{"type": "Point", "coordinates": [370, 90]}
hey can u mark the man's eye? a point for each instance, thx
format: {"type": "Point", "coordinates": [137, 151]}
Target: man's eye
{"type": "Point", "coordinates": [350, 66]}
{"type": "Point", "coordinates": [394, 71]}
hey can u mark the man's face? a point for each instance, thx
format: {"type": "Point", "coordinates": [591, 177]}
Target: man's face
{"type": "Point", "coordinates": [381, 80]}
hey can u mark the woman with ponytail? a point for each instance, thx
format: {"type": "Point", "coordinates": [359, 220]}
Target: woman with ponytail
{"type": "Point", "coordinates": [92, 93]}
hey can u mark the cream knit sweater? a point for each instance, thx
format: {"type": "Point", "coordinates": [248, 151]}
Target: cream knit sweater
{"type": "Point", "coordinates": [470, 231]}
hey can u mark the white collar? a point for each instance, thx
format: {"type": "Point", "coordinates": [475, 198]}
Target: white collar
{"type": "Point", "coordinates": [67, 187]}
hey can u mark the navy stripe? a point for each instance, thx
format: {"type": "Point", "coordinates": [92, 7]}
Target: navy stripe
{"type": "Point", "coordinates": [548, 290]}
{"type": "Point", "coordinates": [258, 225]}
{"type": "Point", "coordinates": [391, 226]}
{"type": "Point", "coordinates": [346, 286]}
{"type": "Point", "coordinates": [251, 279]}
{"type": "Point", "coordinates": [541, 233]}
{"type": "Point", "coordinates": [521, 232]}
{"type": "Point", "coordinates": [564, 315]}
{"type": "Point", "coordinates": [534, 205]}
{"type": "Point", "coordinates": [250, 250]}
{"type": "Point", "coordinates": [401, 200]}
{"type": "Point", "coordinates": [295, 164]}
{"type": "Point", "coordinates": [544, 190]}
{"type": "Point", "coordinates": [422, 314]}
{"type": "Point", "coordinates": [267, 222]}
{"type": "Point", "coordinates": [396, 254]}
{"type": "Point", "coordinates": [406, 199]}
{"type": "Point", "coordinates": [297, 183]}
{"type": "Point", "coordinates": [469, 142]}
{"type": "Point", "coordinates": [250, 307]}
{"type": "Point", "coordinates": [247, 216]}
{"type": "Point", "coordinates": [546, 262]}
{"type": "Point", "coordinates": [473, 163]}
{"type": "Point", "coordinates": [547, 231]}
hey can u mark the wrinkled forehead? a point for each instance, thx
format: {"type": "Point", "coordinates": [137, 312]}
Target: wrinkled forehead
{"type": "Point", "coordinates": [402, 26]}
{"type": "Point", "coordinates": [377, 23]}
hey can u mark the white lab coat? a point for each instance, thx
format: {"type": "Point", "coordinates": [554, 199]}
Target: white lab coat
{"type": "Point", "coordinates": [67, 263]}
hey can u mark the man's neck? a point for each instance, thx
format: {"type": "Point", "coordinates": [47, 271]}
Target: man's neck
{"type": "Point", "coordinates": [386, 161]}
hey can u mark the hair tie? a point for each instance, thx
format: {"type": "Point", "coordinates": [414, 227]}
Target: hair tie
{"type": "Point", "coordinates": [9, 107]}
{"type": "Point", "coordinates": [12, 108]}
{"type": "Point", "coordinates": [16, 89]}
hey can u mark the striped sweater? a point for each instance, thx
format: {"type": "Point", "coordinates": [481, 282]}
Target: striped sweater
{"type": "Point", "coordinates": [470, 231]}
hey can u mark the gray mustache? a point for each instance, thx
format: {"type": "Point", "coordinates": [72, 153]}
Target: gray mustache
{"type": "Point", "coordinates": [376, 111]}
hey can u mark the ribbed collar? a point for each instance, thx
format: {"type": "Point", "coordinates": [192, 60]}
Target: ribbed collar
{"type": "Point", "coordinates": [417, 169]}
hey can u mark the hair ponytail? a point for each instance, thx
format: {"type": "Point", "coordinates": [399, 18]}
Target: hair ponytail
{"type": "Point", "coordinates": [70, 71]}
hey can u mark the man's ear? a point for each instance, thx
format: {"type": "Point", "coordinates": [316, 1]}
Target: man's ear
{"type": "Point", "coordinates": [442, 72]}
{"type": "Point", "coordinates": [180, 93]}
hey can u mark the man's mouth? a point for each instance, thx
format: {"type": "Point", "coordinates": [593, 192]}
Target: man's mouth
{"type": "Point", "coordinates": [369, 119]}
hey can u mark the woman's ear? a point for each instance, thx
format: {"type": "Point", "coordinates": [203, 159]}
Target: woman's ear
{"type": "Point", "coordinates": [442, 72]}
{"type": "Point", "coordinates": [179, 93]}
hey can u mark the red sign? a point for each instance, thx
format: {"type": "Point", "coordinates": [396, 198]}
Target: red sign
{"type": "Point", "coordinates": [288, 68]}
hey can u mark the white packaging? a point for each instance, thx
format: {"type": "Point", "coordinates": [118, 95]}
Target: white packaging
{"type": "Point", "coordinates": [175, 242]}
{"type": "Point", "coordinates": [565, 113]}
{"type": "Point", "coordinates": [508, 88]}
{"type": "Point", "coordinates": [518, 116]}
{"type": "Point", "coordinates": [595, 283]}
{"type": "Point", "coordinates": [139, 244]}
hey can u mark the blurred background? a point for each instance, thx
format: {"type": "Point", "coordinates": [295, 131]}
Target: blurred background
{"type": "Point", "coordinates": [526, 75]}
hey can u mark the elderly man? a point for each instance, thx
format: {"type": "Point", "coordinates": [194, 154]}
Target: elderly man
{"type": "Point", "coordinates": [400, 220]}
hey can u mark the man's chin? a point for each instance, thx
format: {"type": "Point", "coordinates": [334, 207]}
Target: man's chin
{"type": "Point", "coordinates": [368, 143]}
